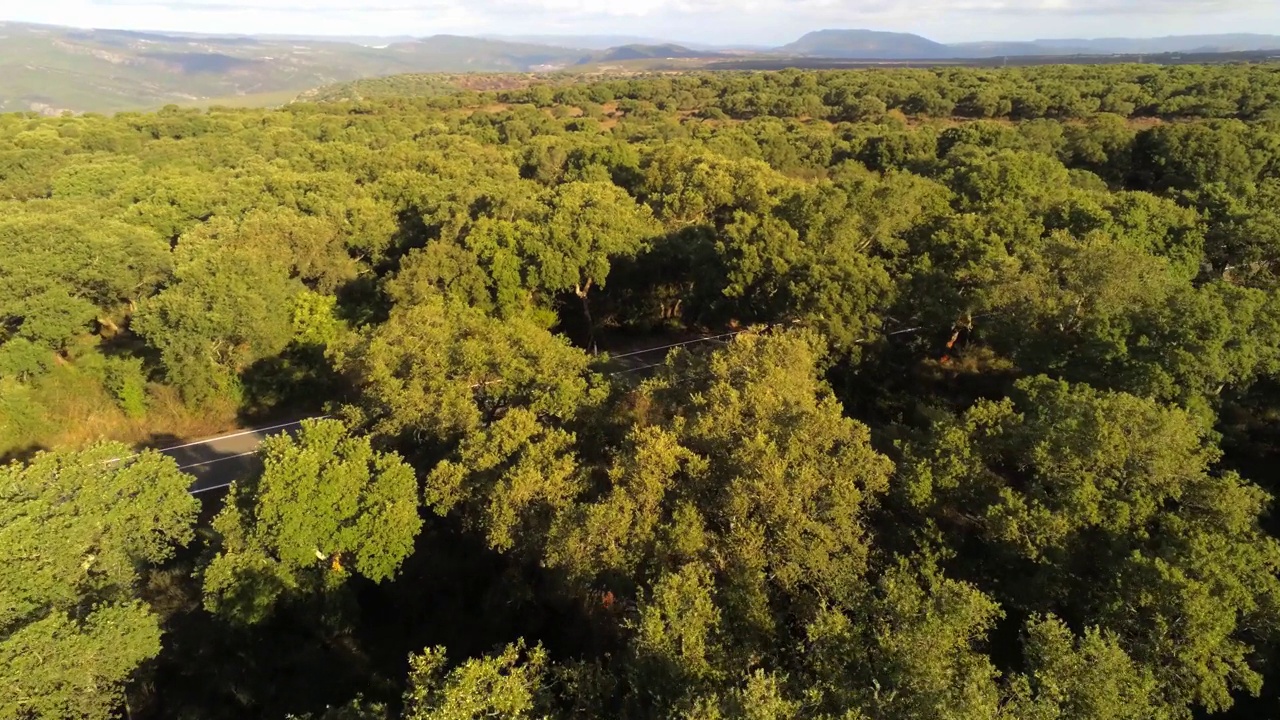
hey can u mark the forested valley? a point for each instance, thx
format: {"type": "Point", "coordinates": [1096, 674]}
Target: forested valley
{"type": "Point", "coordinates": [989, 426]}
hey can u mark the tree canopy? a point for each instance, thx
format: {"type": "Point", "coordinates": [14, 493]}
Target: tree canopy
{"type": "Point", "coordinates": [823, 394]}
{"type": "Point", "coordinates": [77, 530]}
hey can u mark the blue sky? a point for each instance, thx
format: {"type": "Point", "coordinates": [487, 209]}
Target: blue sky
{"type": "Point", "coordinates": [730, 21]}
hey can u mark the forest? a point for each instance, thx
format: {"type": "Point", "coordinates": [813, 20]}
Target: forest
{"type": "Point", "coordinates": [988, 426]}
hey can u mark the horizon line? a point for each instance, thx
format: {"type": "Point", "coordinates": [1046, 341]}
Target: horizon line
{"type": "Point", "coordinates": [513, 37]}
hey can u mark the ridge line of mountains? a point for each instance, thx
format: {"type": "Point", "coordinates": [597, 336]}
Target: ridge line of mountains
{"type": "Point", "coordinates": [51, 68]}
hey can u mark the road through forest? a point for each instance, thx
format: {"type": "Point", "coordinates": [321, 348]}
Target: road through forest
{"type": "Point", "coordinates": [218, 461]}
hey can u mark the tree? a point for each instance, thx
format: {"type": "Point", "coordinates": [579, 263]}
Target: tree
{"type": "Point", "coordinates": [77, 531]}
{"type": "Point", "coordinates": [1243, 246]}
{"type": "Point", "coordinates": [758, 471]}
{"type": "Point", "coordinates": [509, 684]}
{"type": "Point", "coordinates": [1101, 311]}
{"type": "Point", "coordinates": [808, 261]}
{"type": "Point", "coordinates": [311, 248]}
{"type": "Point", "coordinates": [1185, 156]}
{"type": "Point", "coordinates": [587, 224]}
{"type": "Point", "coordinates": [684, 187]}
{"type": "Point", "coordinates": [228, 308]}
{"type": "Point", "coordinates": [437, 370]}
{"type": "Point", "coordinates": [908, 649]}
{"type": "Point", "coordinates": [731, 510]}
{"type": "Point", "coordinates": [1102, 507]}
{"type": "Point", "coordinates": [490, 270]}
{"type": "Point", "coordinates": [325, 505]}
{"type": "Point", "coordinates": [65, 270]}
{"type": "Point", "coordinates": [1081, 677]}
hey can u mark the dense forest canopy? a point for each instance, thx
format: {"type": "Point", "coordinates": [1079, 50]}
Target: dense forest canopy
{"type": "Point", "coordinates": [990, 428]}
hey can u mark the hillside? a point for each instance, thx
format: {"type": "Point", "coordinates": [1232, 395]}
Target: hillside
{"type": "Point", "coordinates": [647, 52]}
{"type": "Point", "coordinates": [1018, 49]}
{"type": "Point", "coordinates": [873, 45]}
{"type": "Point", "coordinates": [50, 70]}
{"type": "Point", "coordinates": [456, 53]}
{"type": "Point", "coordinates": [870, 44]}
{"type": "Point", "coordinates": [579, 42]}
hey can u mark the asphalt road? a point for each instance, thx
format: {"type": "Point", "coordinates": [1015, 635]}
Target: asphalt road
{"type": "Point", "coordinates": [218, 461]}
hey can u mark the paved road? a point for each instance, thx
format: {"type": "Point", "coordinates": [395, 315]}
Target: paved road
{"type": "Point", "coordinates": [218, 461]}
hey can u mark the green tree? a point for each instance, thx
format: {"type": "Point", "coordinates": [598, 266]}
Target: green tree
{"type": "Point", "coordinates": [587, 225]}
{"type": "Point", "coordinates": [1186, 156]}
{"type": "Point", "coordinates": [731, 510]}
{"type": "Point", "coordinates": [1103, 507]}
{"type": "Point", "coordinates": [1101, 311]}
{"type": "Point", "coordinates": [325, 505]}
{"type": "Point", "coordinates": [1087, 677]}
{"type": "Point", "coordinates": [227, 309]}
{"type": "Point", "coordinates": [910, 648]}
{"type": "Point", "coordinates": [509, 685]}
{"type": "Point", "coordinates": [65, 270]}
{"type": "Point", "coordinates": [437, 370]}
{"type": "Point", "coordinates": [77, 532]}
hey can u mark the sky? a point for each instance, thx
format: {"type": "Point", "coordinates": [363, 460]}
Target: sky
{"type": "Point", "coordinates": [711, 21]}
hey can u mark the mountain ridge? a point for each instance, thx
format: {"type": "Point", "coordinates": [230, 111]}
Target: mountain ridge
{"type": "Point", "coordinates": [861, 43]}
{"type": "Point", "coordinates": [870, 45]}
{"type": "Point", "coordinates": [51, 69]}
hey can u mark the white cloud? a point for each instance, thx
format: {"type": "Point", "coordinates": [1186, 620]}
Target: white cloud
{"type": "Point", "coordinates": [719, 20]}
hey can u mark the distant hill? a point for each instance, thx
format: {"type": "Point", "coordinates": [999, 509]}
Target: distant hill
{"type": "Point", "coordinates": [1240, 42]}
{"type": "Point", "coordinates": [646, 52]}
{"type": "Point", "coordinates": [1015, 49]}
{"type": "Point", "coordinates": [580, 42]}
{"type": "Point", "coordinates": [51, 69]}
{"type": "Point", "coordinates": [874, 45]}
{"type": "Point", "coordinates": [866, 44]}
{"type": "Point", "coordinates": [457, 53]}
{"type": "Point", "coordinates": [608, 42]}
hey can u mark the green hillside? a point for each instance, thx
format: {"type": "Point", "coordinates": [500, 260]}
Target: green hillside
{"type": "Point", "coordinates": [49, 70]}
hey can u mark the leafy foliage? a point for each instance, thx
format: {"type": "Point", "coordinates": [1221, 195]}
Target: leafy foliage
{"type": "Point", "coordinates": [326, 505]}
{"type": "Point", "coordinates": [1103, 505]}
{"type": "Point", "coordinates": [923, 393]}
{"type": "Point", "coordinates": [77, 530]}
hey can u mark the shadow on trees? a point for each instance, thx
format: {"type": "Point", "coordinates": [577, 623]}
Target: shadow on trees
{"type": "Point", "coordinates": [293, 383]}
{"type": "Point", "coordinates": [457, 593]}
{"type": "Point", "coordinates": [22, 454]}
{"type": "Point", "coordinates": [325, 649]}
{"type": "Point", "coordinates": [211, 669]}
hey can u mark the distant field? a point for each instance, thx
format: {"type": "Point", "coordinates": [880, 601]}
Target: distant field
{"type": "Point", "coordinates": [254, 100]}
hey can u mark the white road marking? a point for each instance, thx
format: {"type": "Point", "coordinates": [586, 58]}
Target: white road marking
{"type": "Point", "coordinates": [206, 441]}
{"type": "Point", "coordinates": [218, 460]}
{"type": "Point", "coordinates": [241, 434]}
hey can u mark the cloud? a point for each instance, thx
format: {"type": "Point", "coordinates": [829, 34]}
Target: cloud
{"type": "Point", "coordinates": [634, 8]}
{"type": "Point", "coordinates": [1104, 7]}
{"type": "Point", "coordinates": [714, 20]}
